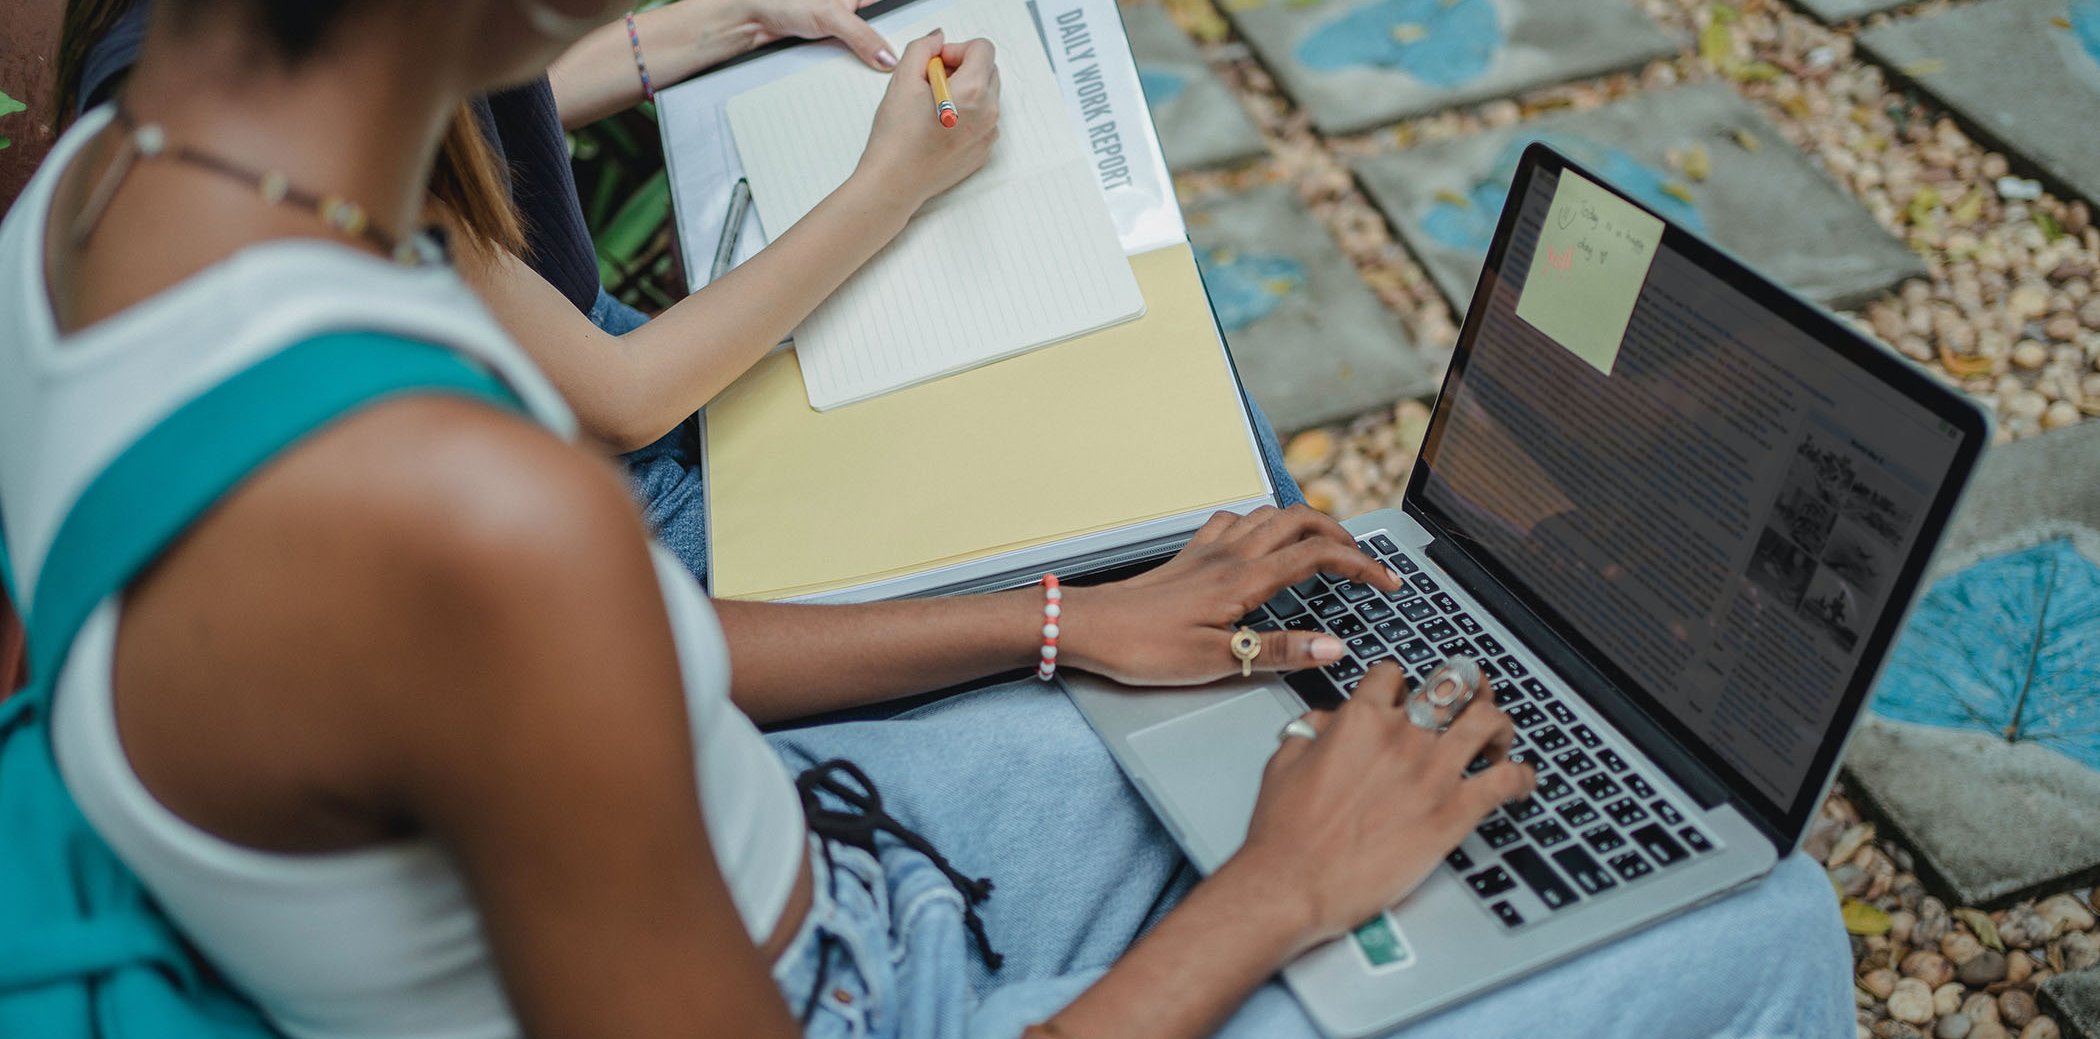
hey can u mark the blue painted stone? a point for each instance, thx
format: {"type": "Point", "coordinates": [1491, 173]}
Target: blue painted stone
{"type": "Point", "coordinates": [2085, 25]}
{"type": "Point", "coordinates": [1245, 287]}
{"type": "Point", "coordinates": [1161, 85]}
{"type": "Point", "coordinates": [1457, 43]}
{"type": "Point", "coordinates": [1471, 227]}
{"type": "Point", "coordinates": [2026, 622]}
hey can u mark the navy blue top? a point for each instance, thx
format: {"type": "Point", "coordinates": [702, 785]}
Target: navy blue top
{"type": "Point", "coordinates": [522, 127]}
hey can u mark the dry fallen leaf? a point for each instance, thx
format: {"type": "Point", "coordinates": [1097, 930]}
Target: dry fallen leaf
{"type": "Point", "coordinates": [1717, 44]}
{"type": "Point", "coordinates": [1410, 32]}
{"type": "Point", "coordinates": [1923, 68]}
{"type": "Point", "coordinates": [1863, 918]}
{"type": "Point", "coordinates": [1963, 367]}
{"type": "Point", "coordinates": [1981, 926]}
{"type": "Point", "coordinates": [1746, 140]}
{"type": "Point", "coordinates": [1697, 164]}
{"type": "Point", "coordinates": [1756, 72]}
{"type": "Point", "coordinates": [1680, 192]}
{"type": "Point", "coordinates": [2060, 22]}
{"type": "Point", "coordinates": [1970, 208]}
{"type": "Point", "coordinates": [1453, 197]}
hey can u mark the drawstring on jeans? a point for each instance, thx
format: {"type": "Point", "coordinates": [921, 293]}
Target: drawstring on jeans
{"type": "Point", "coordinates": [857, 826]}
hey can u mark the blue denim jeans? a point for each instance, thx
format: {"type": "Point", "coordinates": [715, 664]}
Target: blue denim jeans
{"type": "Point", "coordinates": [1009, 782]}
{"type": "Point", "coordinates": [665, 476]}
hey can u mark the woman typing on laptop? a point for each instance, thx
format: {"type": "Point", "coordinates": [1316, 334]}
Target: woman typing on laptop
{"type": "Point", "coordinates": [414, 734]}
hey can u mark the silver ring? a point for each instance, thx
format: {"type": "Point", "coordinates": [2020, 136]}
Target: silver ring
{"type": "Point", "coordinates": [1299, 728]}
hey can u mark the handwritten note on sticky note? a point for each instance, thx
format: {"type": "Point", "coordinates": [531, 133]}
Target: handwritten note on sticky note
{"type": "Point", "coordinates": [1592, 258]}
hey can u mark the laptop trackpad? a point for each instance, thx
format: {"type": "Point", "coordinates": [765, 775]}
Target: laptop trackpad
{"type": "Point", "coordinates": [1206, 767]}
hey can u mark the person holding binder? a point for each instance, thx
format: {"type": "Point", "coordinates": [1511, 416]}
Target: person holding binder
{"type": "Point", "coordinates": [632, 380]}
{"type": "Point", "coordinates": [411, 731]}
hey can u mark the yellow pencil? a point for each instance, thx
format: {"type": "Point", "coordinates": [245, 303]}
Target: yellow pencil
{"type": "Point", "coordinates": [937, 73]}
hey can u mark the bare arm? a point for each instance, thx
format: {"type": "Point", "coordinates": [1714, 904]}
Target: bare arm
{"type": "Point", "coordinates": [458, 633]}
{"type": "Point", "coordinates": [1169, 626]}
{"type": "Point", "coordinates": [1329, 847]}
{"type": "Point", "coordinates": [597, 77]}
{"type": "Point", "coordinates": [628, 390]}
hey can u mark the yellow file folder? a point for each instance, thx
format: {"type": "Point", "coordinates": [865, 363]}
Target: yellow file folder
{"type": "Point", "coordinates": [1126, 425]}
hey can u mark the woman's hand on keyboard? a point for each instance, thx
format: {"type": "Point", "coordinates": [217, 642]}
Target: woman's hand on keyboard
{"type": "Point", "coordinates": [1352, 821]}
{"type": "Point", "coordinates": [1173, 625]}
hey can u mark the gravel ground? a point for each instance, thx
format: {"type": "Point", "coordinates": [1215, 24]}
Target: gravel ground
{"type": "Point", "coordinates": [2010, 313]}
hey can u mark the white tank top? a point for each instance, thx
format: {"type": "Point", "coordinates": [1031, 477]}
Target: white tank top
{"type": "Point", "coordinates": [381, 941]}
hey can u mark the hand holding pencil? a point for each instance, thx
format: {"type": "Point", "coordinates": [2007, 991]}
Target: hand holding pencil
{"type": "Point", "coordinates": [938, 119]}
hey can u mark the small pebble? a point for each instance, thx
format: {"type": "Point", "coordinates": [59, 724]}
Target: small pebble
{"type": "Point", "coordinates": [1931, 968]}
{"type": "Point", "coordinates": [2017, 189]}
{"type": "Point", "coordinates": [1980, 1007]}
{"type": "Point", "coordinates": [2030, 355]}
{"type": "Point", "coordinates": [1946, 999]}
{"type": "Point", "coordinates": [1985, 968]}
{"type": "Point", "coordinates": [1960, 947]}
{"type": "Point", "coordinates": [2064, 914]}
{"type": "Point", "coordinates": [1911, 1001]}
{"type": "Point", "coordinates": [1880, 982]}
{"type": "Point", "coordinates": [2061, 413]}
{"type": "Point", "coordinates": [2016, 1007]}
{"type": "Point", "coordinates": [1952, 1026]}
{"type": "Point", "coordinates": [2080, 950]}
{"type": "Point", "coordinates": [2041, 1028]}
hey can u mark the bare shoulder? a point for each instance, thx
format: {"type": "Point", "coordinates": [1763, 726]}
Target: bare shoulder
{"type": "Point", "coordinates": [322, 644]}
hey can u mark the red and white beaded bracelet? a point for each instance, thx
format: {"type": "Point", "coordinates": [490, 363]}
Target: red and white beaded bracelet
{"type": "Point", "coordinates": [1053, 608]}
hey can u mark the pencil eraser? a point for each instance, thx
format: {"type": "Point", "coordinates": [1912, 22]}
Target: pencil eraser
{"type": "Point", "coordinates": [948, 119]}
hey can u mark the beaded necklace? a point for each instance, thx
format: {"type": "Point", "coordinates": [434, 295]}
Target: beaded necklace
{"type": "Point", "coordinates": [150, 141]}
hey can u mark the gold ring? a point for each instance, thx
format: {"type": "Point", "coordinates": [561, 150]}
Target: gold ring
{"type": "Point", "coordinates": [1246, 645]}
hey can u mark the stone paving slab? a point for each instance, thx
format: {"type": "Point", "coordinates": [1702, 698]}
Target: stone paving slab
{"type": "Point", "coordinates": [1356, 64]}
{"type": "Point", "coordinates": [1200, 122]}
{"type": "Point", "coordinates": [2023, 72]}
{"type": "Point", "coordinates": [2073, 998]}
{"type": "Point", "coordinates": [1834, 11]}
{"type": "Point", "coordinates": [1768, 206]}
{"type": "Point", "coordinates": [1310, 340]}
{"type": "Point", "coordinates": [1995, 638]}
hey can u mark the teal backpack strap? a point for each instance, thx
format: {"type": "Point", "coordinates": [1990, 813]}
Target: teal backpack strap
{"type": "Point", "coordinates": [83, 949]}
{"type": "Point", "coordinates": [152, 492]}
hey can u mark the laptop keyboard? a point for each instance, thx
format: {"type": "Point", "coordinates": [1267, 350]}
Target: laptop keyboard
{"type": "Point", "coordinates": [1594, 825]}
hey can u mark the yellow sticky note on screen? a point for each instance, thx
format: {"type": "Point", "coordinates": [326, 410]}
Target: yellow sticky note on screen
{"type": "Point", "coordinates": [1591, 261]}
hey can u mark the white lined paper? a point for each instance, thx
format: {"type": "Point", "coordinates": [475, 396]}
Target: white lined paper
{"type": "Point", "coordinates": [1018, 256]}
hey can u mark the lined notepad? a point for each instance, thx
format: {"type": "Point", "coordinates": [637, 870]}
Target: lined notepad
{"type": "Point", "coordinates": [1020, 255]}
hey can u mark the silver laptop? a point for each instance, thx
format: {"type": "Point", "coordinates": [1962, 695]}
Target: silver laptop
{"type": "Point", "coordinates": [1679, 537]}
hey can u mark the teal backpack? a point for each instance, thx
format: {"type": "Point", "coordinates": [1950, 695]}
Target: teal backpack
{"type": "Point", "coordinates": [84, 951]}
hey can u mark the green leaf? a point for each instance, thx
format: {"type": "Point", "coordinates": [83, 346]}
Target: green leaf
{"type": "Point", "coordinates": [604, 194]}
{"type": "Point", "coordinates": [1756, 72]}
{"type": "Point", "coordinates": [633, 226]}
{"type": "Point", "coordinates": [1863, 918]}
{"type": "Point", "coordinates": [2051, 230]}
{"type": "Point", "coordinates": [1717, 44]}
{"type": "Point", "coordinates": [6, 143]}
{"type": "Point", "coordinates": [1980, 924]}
{"type": "Point", "coordinates": [8, 105]}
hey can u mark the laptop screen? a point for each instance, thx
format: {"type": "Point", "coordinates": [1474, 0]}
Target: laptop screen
{"type": "Point", "coordinates": [1717, 515]}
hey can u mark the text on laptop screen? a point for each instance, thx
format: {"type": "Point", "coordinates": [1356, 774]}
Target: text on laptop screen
{"type": "Point", "coordinates": [1720, 516]}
